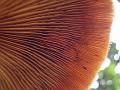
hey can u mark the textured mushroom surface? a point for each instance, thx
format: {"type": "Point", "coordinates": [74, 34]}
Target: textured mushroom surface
{"type": "Point", "coordinates": [52, 44]}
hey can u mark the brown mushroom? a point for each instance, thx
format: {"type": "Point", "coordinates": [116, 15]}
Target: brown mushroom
{"type": "Point", "coordinates": [52, 44]}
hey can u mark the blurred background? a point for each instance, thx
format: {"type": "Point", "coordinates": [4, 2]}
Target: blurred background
{"type": "Point", "coordinates": [108, 78]}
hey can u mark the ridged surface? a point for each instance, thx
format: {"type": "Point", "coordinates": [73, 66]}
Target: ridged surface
{"type": "Point", "coordinates": [52, 44]}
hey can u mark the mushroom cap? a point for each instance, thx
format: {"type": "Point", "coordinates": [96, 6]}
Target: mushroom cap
{"type": "Point", "coordinates": [52, 44]}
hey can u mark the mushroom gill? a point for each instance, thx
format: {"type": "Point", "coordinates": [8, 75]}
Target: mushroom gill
{"type": "Point", "coordinates": [52, 44]}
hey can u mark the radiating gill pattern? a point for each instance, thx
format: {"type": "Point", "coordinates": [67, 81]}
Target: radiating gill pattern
{"type": "Point", "coordinates": [44, 44]}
